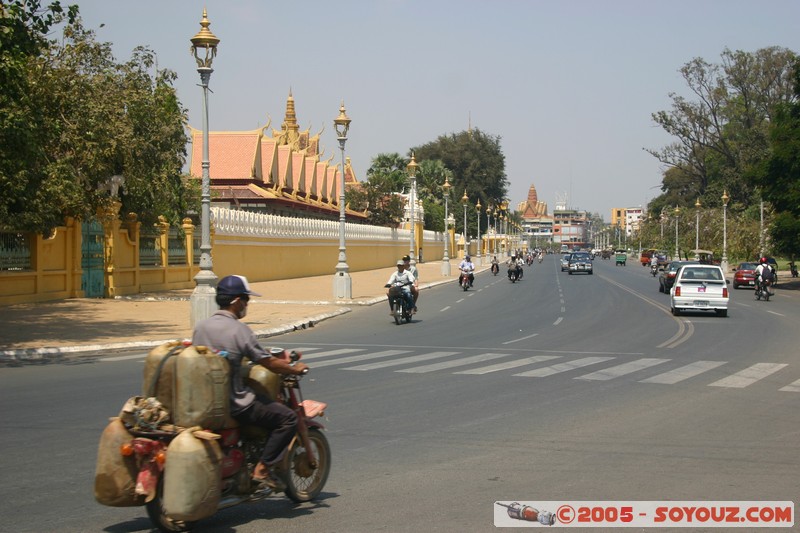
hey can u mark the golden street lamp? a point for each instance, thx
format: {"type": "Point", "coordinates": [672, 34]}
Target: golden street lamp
{"type": "Point", "coordinates": [724, 261]}
{"type": "Point", "coordinates": [412, 175]}
{"type": "Point", "coordinates": [478, 208]}
{"type": "Point", "coordinates": [697, 229]}
{"type": "Point", "coordinates": [203, 299]}
{"type": "Point", "coordinates": [446, 258]}
{"type": "Point", "coordinates": [342, 282]}
{"type": "Point", "coordinates": [488, 229]}
{"type": "Point", "coordinates": [465, 201]}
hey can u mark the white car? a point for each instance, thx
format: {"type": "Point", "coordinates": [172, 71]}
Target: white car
{"type": "Point", "coordinates": [699, 288]}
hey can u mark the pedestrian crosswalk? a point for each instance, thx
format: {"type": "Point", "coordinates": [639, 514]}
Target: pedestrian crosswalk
{"type": "Point", "coordinates": [578, 366]}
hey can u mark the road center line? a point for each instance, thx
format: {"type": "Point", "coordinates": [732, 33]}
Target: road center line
{"type": "Point", "coordinates": [520, 339]}
{"type": "Point", "coordinates": [445, 309]}
{"type": "Point", "coordinates": [558, 320]}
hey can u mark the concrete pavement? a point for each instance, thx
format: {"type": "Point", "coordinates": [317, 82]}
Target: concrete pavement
{"type": "Point", "coordinates": [49, 330]}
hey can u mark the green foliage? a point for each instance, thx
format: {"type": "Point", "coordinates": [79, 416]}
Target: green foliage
{"type": "Point", "coordinates": [81, 119]}
{"type": "Point", "coordinates": [385, 177]}
{"type": "Point", "coordinates": [475, 161]}
{"type": "Point", "coordinates": [722, 136]}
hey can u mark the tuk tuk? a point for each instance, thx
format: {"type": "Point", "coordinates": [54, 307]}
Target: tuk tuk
{"type": "Point", "coordinates": [705, 257]}
{"type": "Point", "coordinates": [621, 257]}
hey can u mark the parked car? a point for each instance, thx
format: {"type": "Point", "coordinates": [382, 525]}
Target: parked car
{"type": "Point", "coordinates": [580, 262]}
{"type": "Point", "coordinates": [699, 288]}
{"type": "Point", "coordinates": [565, 262]}
{"type": "Point", "coordinates": [667, 277]}
{"type": "Point", "coordinates": [745, 275]}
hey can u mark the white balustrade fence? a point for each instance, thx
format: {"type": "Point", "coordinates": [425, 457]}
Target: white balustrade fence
{"type": "Point", "coordinates": [249, 224]}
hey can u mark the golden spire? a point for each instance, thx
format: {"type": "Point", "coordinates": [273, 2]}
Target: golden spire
{"type": "Point", "coordinates": [290, 121]}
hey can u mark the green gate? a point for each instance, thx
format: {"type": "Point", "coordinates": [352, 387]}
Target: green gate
{"type": "Point", "coordinates": [92, 264]}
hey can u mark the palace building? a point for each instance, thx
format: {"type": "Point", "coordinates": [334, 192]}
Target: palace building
{"type": "Point", "coordinates": [280, 172]}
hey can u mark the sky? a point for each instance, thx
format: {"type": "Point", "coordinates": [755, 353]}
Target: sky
{"type": "Point", "coordinates": [569, 86]}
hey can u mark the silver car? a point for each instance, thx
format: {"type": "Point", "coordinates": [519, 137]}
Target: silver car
{"type": "Point", "coordinates": [699, 288]}
{"type": "Point", "coordinates": [565, 262]}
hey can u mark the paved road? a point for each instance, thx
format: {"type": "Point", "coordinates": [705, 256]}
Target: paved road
{"type": "Point", "coordinates": [555, 388]}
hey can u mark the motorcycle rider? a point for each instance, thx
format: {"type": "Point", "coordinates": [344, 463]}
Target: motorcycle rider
{"type": "Point", "coordinates": [415, 286]}
{"type": "Point", "coordinates": [467, 266]}
{"type": "Point", "coordinates": [765, 273]}
{"type": "Point", "coordinates": [495, 264]}
{"type": "Point", "coordinates": [406, 278]}
{"type": "Point", "coordinates": [224, 331]}
{"type": "Point", "coordinates": [513, 266]}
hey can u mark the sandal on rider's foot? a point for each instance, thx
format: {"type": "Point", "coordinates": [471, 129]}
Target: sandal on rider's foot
{"type": "Point", "coordinates": [270, 481]}
{"type": "Point", "coordinates": [414, 311]}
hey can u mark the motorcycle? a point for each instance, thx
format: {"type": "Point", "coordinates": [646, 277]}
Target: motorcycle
{"type": "Point", "coordinates": [654, 270]}
{"type": "Point", "coordinates": [463, 280]}
{"type": "Point", "coordinates": [513, 273]}
{"type": "Point", "coordinates": [762, 290]}
{"type": "Point", "coordinates": [304, 468]}
{"type": "Point", "coordinates": [400, 302]}
{"type": "Point", "coordinates": [495, 268]}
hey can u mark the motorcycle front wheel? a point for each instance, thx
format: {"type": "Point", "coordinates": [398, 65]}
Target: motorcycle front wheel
{"type": "Point", "coordinates": [304, 483]}
{"type": "Point", "coordinates": [162, 522]}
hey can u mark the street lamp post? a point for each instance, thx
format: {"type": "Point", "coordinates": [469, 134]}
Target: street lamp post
{"type": "Point", "coordinates": [342, 282]}
{"type": "Point", "coordinates": [446, 258]}
{"type": "Point", "coordinates": [697, 230]}
{"type": "Point", "coordinates": [203, 300]}
{"type": "Point", "coordinates": [488, 229]}
{"type": "Point", "coordinates": [465, 200]}
{"type": "Point", "coordinates": [478, 254]}
{"type": "Point", "coordinates": [412, 175]}
{"type": "Point", "coordinates": [724, 262]}
{"type": "Point", "coordinates": [677, 217]}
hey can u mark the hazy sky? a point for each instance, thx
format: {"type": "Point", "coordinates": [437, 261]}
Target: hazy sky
{"type": "Point", "coordinates": [569, 86]}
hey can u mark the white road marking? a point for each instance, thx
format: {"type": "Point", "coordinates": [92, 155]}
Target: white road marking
{"type": "Point", "coordinates": [362, 357]}
{"type": "Point", "coordinates": [558, 321]}
{"type": "Point", "coordinates": [748, 376]}
{"type": "Point", "coordinates": [520, 339]}
{"type": "Point", "coordinates": [563, 367]}
{"type": "Point", "coordinates": [457, 362]}
{"type": "Point", "coordinates": [402, 361]}
{"type": "Point", "coordinates": [623, 369]}
{"type": "Point", "coordinates": [333, 352]}
{"type": "Point", "coordinates": [793, 387]}
{"type": "Point", "coordinates": [445, 309]}
{"type": "Point", "coordinates": [684, 372]}
{"type": "Point", "coordinates": [508, 364]}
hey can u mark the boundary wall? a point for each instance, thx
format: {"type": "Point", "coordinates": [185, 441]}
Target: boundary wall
{"type": "Point", "coordinates": [260, 246]}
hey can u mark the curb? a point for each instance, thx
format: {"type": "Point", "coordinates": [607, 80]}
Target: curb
{"type": "Point", "coordinates": [55, 353]}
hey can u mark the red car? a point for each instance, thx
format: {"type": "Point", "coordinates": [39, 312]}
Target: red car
{"type": "Point", "coordinates": [745, 275]}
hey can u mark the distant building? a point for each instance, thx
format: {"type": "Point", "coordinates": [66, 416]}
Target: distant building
{"type": "Point", "coordinates": [627, 218]}
{"type": "Point", "coordinates": [536, 223]}
{"type": "Point", "coordinates": [279, 173]}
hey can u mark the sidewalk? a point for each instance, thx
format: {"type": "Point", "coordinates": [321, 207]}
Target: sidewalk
{"type": "Point", "coordinates": [48, 330]}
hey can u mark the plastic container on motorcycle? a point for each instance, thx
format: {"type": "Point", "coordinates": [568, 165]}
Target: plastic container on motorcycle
{"type": "Point", "coordinates": [159, 373]}
{"type": "Point", "coordinates": [115, 474]}
{"type": "Point", "coordinates": [192, 477]}
{"type": "Point", "coordinates": [264, 381]}
{"type": "Point", "coordinates": [192, 382]}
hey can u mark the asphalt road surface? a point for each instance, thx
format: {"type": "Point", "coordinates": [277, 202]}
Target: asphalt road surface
{"type": "Point", "coordinates": [555, 388]}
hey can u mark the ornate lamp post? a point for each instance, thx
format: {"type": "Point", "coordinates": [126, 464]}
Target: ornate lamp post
{"type": "Point", "coordinates": [446, 258]}
{"type": "Point", "coordinates": [697, 229]}
{"type": "Point", "coordinates": [677, 217]}
{"type": "Point", "coordinates": [412, 175]}
{"type": "Point", "coordinates": [724, 262]}
{"type": "Point", "coordinates": [465, 200]}
{"type": "Point", "coordinates": [478, 207]}
{"type": "Point", "coordinates": [203, 301]}
{"type": "Point", "coordinates": [342, 282]}
{"type": "Point", "coordinates": [488, 229]}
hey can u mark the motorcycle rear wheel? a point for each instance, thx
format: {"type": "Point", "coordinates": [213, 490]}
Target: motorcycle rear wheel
{"type": "Point", "coordinates": [155, 511]}
{"type": "Point", "coordinates": [302, 482]}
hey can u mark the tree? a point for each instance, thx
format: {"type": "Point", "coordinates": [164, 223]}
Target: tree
{"type": "Point", "coordinates": [780, 181]}
{"type": "Point", "coordinates": [386, 178]}
{"type": "Point", "coordinates": [722, 135]}
{"type": "Point", "coordinates": [87, 118]}
{"type": "Point", "coordinates": [475, 160]}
